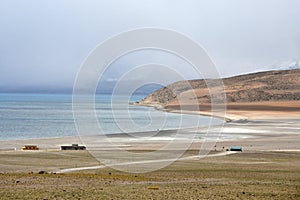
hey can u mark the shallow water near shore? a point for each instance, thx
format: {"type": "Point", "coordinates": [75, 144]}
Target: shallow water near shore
{"type": "Point", "coordinates": [28, 116]}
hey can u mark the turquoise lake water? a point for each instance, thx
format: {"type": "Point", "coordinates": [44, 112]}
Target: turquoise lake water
{"type": "Point", "coordinates": [27, 116]}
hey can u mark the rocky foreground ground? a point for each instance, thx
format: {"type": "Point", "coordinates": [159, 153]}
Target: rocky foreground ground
{"type": "Point", "coordinates": [261, 175]}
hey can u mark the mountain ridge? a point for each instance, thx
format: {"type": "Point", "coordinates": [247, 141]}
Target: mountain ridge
{"type": "Point", "coordinates": [277, 85]}
{"type": "Point", "coordinates": [274, 92]}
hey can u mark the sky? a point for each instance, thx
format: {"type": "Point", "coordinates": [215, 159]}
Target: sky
{"type": "Point", "coordinates": [44, 43]}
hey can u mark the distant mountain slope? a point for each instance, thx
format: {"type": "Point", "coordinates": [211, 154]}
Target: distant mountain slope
{"type": "Point", "coordinates": [284, 65]}
{"type": "Point", "coordinates": [279, 85]}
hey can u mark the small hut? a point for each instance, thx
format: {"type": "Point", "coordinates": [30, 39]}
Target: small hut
{"type": "Point", "coordinates": [73, 147]}
{"type": "Point", "coordinates": [236, 148]}
{"type": "Point", "coordinates": [30, 147]}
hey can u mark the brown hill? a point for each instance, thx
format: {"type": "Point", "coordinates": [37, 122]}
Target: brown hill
{"type": "Point", "coordinates": [271, 91]}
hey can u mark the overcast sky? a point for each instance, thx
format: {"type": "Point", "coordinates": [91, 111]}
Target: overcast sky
{"type": "Point", "coordinates": [44, 42]}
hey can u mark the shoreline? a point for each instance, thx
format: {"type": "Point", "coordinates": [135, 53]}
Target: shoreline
{"type": "Point", "coordinates": [239, 130]}
{"type": "Point", "coordinates": [237, 111]}
{"type": "Point", "coordinates": [202, 113]}
{"type": "Point", "coordinates": [264, 138]}
{"type": "Point", "coordinates": [254, 135]}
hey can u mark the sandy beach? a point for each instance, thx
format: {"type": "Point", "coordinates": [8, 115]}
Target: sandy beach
{"type": "Point", "coordinates": [254, 136]}
{"type": "Point", "coordinates": [236, 111]}
{"type": "Point", "coordinates": [268, 167]}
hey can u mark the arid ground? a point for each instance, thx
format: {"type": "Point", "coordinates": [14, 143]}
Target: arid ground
{"type": "Point", "coordinates": [268, 168]}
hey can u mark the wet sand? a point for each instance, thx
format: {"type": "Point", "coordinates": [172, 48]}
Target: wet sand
{"type": "Point", "coordinates": [268, 167]}
{"type": "Point", "coordinates": [271, 135]}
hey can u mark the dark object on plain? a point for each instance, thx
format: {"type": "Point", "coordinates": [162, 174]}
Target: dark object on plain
{"type": "Point", "coordinates": [73, 147]}
{"type": "Point", "coordinates": [30, 147]}
{"type": "Point", "coordinates": [236, 148]}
